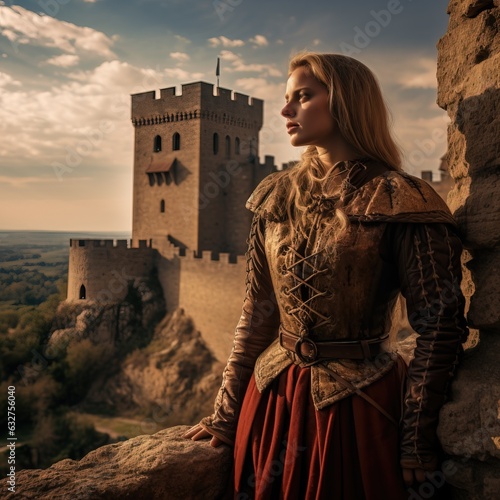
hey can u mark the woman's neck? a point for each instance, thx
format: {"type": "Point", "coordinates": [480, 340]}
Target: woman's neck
{"type": "Point", "coordinates": [331, 156]}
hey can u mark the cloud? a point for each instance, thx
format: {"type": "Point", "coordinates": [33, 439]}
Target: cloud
{"type": "Point", "coordinates": [238, 65]}
{"type": "Point", "coordinates": [225, 42]}
{"type": "Point", "coordinates": [22, 26]}
{"type": "Point", "coordinates": [64, 60]}
{"type": "Point", "coordinates": [6, 79]}
{"type": "Point", "coordinates": [180, 56]}
{"type": "Point", "coordinates": [259, 40]}
{"type": "Point", "coordinates": [421, 75]}
{"type": "Point", "coordinates": [182, 39]}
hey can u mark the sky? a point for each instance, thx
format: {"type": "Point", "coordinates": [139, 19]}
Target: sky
{"type": "Point", "coordinates": [68, 68]}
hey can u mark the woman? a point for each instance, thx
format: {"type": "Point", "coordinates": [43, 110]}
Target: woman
{"type": "Point", "coordinates": [313, 402]}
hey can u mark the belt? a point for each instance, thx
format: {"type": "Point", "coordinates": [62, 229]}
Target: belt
{"type": "Point", "coordinates": [309, 351]}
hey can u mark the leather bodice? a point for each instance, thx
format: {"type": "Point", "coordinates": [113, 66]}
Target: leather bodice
{"type": "Point", "coordinates": [342, 285]}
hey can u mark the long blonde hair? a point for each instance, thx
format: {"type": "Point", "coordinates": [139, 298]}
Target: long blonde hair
{"type": "Point", "coordinates": [360, 115]}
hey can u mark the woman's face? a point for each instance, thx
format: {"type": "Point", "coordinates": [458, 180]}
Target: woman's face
{"type": "Point", "coordinates": [307, 111]}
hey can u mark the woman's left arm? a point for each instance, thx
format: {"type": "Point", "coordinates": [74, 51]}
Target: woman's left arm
{"type": "Point", "coordinates": [429, 267]}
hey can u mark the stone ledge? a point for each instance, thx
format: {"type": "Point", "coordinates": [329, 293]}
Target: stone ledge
{"type": "Point", "coordinates": [160, 466]}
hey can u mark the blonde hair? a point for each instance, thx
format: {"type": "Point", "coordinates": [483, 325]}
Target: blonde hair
{"type": "Point", "coordinates": [360, 116]}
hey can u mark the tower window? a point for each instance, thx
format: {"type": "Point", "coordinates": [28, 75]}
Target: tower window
{"type": "Point", "coordinates": [237, 146]}
{"type": "Point", "coordinates": [83, 292]}
{"type": "Point", "coordinates": [157, 144]}
{"type": "Point", "coordinates": [162, 206]}
{"type": "Point", "coordinates": [216, 143]}
{"type": "Point", "coordinates": [176, 142]}
{"type": "Point", "coordinates": [228, 147]}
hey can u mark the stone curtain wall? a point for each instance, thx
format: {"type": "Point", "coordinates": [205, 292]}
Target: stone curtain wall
{"type": "Point", "coordinates": [469, 90]}
{"type": "Point", "coordinates": [210, 288]}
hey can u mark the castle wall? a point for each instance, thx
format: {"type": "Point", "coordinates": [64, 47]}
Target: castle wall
{"type": "Point", "coordinates": [104, 268]}
{"type": "Point", "coordinates": [469, 90]}
{"type": "Point", "coordinates": [210, 288]}
{"type": "Point", "coordinates": [212, 292]}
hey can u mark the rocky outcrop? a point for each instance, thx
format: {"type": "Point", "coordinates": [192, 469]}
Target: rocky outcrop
{"type": "Point", "coordinates": [174, 379]}
{"type": "Point", "coordinates": [160, 369]}
{"type": "Point", "coordinates": [469, 89]}
{"type": "Point", "coordinates": [163, 466]}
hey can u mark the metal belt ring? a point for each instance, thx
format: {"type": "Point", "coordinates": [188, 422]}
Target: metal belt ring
{"type": "Point", "coordinates": [312, 355]}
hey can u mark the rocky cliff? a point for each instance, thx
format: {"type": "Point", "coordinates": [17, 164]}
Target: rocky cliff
{"type": "Point", "coordinates": [149, 367]}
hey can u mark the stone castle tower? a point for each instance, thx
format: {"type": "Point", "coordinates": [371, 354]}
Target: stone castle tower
{"type": "Point", "coordinates": [194, 166]}
{"type": "Point", "coordinates": [196, 162]}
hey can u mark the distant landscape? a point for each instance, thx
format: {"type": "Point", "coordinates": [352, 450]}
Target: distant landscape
{"type": "Point", "coordinates": [33, 280]}
{"type": "Point", "coordinates": [32, 264]}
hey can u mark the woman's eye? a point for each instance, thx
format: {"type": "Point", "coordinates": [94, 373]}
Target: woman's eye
{"type": "Point", "coordinates": [304, 96]}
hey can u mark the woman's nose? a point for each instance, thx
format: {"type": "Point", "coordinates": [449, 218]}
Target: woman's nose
{"type": "Point", "coordinates": [287, 111]}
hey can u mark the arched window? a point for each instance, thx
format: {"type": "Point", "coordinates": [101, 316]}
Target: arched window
{"type": "Point", "coordinates": [162, 206]}
{"type": "Point", "coordinates": [228, 147]}
{"type": "Point", "coordinates": [176, 142]}
{"type": "Point", "coordinates": [237, 146]}
{"type": "Point", "coordinates": [216, 143]}
{"type": "Point", "coordinates": [157, 144]}
{"type": "Point", "coordinates": [83, 292]}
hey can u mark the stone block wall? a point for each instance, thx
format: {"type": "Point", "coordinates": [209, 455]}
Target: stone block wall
{"type": "Point", "coordinates": [469, 90]}
{"type": "Point", "coordinates": [210, 288]}
{"type": "Point", "coordinates": [105, 267]}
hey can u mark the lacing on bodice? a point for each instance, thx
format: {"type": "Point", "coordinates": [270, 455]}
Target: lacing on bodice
{"type": "Point", "coordinates": [304, 269]}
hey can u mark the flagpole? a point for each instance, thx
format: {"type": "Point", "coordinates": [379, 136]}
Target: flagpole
{"type": "Point", "coordinates": [217, 73]}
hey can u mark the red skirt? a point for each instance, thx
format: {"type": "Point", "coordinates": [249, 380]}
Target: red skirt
{"type": "Point", "coordinates": [349, 450]}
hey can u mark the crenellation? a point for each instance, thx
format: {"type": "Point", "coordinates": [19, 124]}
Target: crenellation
{"type": "Point", "coordinates": [243, 98]}
{"type": "Point", "coordinates": [224, 93]}
{"type": "Point", "coordinates": [167, 92]}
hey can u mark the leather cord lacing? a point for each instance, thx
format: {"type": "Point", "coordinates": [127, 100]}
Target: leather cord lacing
{"type": "Point", "coordinates": [304, 270]}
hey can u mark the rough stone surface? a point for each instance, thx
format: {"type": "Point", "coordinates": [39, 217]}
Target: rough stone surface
{"type": "Point", "coordinates": [484, 312]}
{"type": "Point", "coordinates": [175, 378]}
{"type": "Point", "coordinates": [469, 89]}
{"type": "Point", "coordinates": [469, 425]}
{"type": "Point", "coordinates": [161, 466]}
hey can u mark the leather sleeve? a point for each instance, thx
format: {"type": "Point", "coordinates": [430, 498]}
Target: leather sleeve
{"type": "Point", "coordinates": [428, 263]}
{"type": "Point", "coordinates": [256, 329]}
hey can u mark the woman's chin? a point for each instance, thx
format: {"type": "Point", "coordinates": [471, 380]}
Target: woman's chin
{"type": "Point", "coordinates": [297, 141]}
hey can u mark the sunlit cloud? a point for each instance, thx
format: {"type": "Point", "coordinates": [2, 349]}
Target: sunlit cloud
{"type": "Point", "coordinates": [6, 79]}
{"type": "Point", "coordinates": [259, 40]}
{"type": "Point", "coordinates": [64, 60]}
{"type": "Point", "coordinates": [180, 56]}
{"type": "Point", "coordinates": [22, 26]}
{"type": "Point", "coordinates": [237, 64]}
{"type": "Point", "coordinates": [225, 42]}
{"type": "Point", "coordinates": [422, 74]}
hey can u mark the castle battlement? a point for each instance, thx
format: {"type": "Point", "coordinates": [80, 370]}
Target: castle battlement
{"type": "Point", "coordinates": [197, 101]}
{"type": "Point", "coordinates": [107, 243]}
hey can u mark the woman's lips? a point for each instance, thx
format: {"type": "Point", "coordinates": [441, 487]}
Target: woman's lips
{"type": "Point", "coordinates": [291, 127]}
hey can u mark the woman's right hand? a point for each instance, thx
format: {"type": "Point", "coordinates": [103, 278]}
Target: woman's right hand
{"type": "Point", "coordinates": [198, 432]}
